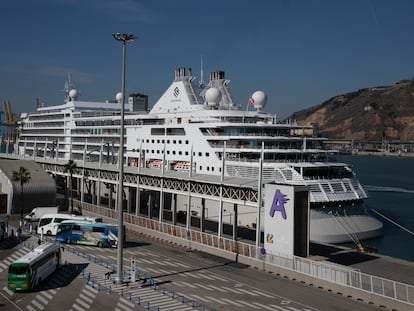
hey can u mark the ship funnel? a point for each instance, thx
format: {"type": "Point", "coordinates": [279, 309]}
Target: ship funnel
{"type": "Point", "coordinates": [216, 75]}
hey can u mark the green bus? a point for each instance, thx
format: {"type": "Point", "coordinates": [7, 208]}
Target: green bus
{"type": "Point", "coordinates": [31, 269]}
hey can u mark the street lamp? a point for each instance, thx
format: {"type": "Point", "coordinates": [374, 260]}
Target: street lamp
{"type": "Point", "coordinates": [124, 38]}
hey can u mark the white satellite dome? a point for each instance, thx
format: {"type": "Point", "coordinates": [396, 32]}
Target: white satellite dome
{"type": "Point", "coordinates": [73, 94]}
{"type": "Point", "coordinates": [118, 97]}
{"type": "Point", "coordinates": [213, 96]}
{"type": "Point", "coordinates": [260, 99]}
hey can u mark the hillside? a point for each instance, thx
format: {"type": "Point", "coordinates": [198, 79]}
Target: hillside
{"type": "Point", "coordinates": [367, 114]}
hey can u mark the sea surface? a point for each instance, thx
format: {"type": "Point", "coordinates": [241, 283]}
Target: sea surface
{"type": "Point", "coordinates": [390, 185]}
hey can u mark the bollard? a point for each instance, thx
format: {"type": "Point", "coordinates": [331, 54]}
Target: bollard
{"type": "Point", "coordinates": [202, 307]}
{"type": "Point", "coordinates": [163, 291]}
{"type": "Point", "coordinates": [138, 301]}
{"type": "Point", "coordinates": [83, 272]}
{"type": "Point", "coordinates": [94, 260]}
{"type": "Point", "coordinates": [129, 296]}
{"type": "Point", "coordinates": [93, 284]}
{"type": "Point", "coordinates": [182, 299]}
{"type": "Point", "coordinates": [148, 305]}
{"type": "Point", "coordinates": [109, 289]}
{"type": "Point", "coordinates": [99, 287]}
{"type": "Point", "coordinates": [193, 304]}
{"type": "Point", "coordinates": [172, 294]}
{"type": "Point", "coordinates": [100, 262]}
{"type": "Point", "coordinates": [122, 292]}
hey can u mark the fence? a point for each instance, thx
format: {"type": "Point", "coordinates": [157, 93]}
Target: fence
{"type": "Point", "coordinates": [322, 270]}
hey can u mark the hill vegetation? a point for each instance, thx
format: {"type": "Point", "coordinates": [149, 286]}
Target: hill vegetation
{"type": "Point", "coordinates": [376, 113]}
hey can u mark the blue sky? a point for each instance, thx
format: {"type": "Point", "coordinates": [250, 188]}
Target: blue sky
{"type": "Point", "coordinates": [300, 52]}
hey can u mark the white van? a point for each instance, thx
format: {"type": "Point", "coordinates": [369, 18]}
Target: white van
{"type": "Point", "coordinates": [48, 223]}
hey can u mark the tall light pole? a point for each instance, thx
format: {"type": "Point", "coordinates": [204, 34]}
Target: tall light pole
{"type": "Point", "coordinates": [120, 199]}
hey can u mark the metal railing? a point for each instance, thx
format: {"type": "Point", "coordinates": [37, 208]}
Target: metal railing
{"type": "Point", "coordinates": [322, 270]}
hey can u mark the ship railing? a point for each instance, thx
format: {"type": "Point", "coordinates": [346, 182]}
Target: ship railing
{"type": "Point", "coordinates": [322, 270]}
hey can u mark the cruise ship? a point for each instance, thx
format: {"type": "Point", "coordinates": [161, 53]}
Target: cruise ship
{"type": "Point", "coordinates": [199, 128]}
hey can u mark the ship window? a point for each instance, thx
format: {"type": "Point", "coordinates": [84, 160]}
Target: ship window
{"type": "Point", "coordinates": [162, 141]}
{"type": "Point", "coordinates": [147, 140]}
{"type": "Point", "coordinates": [153, 141]}
{"type": "Point", "coordinates": [174, 141]}
{"type": "Point", "coordinates": [147, 150]}
{"type": "Point", "coordinates": [168, 141]}
{"type": "Point", "coordinates": [207, 154]}
{"type": "Point", "coordinates": [158, 151]}
{"type": "Point", "coordinates": [168, 151]}
{"type": "Point", "coordinates": [208, 168]}
{"type": "Point", "coordinates": [158, 141]}
{"type": "Point", "coordinates": [173, 152]}
{"type": "Point", "coordinates": [186, 142]}
{"type": "Point", "coordinates": [186, 153]}
{"type": "Point", "coordinates": [175, 131]}
{"type": "Point", "coordinates": [157, 131]}
{"type": "Point", "coordinates": [200, 154]}
{"type": "Point", "coordinates": [212, 168]}
{"type": "Point", "coordinates": [201, 168]}
{"type": "Point", "coordinates": [180, 152]}
{"type": "Point", "coordinates": [180, 142]}
{"type": "Point", "coordinates": [152, 151]}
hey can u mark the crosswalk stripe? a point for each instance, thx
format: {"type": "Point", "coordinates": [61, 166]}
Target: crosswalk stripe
{"type": "Point", "coordinates": [188, 284]}
{"type": "Point", "coordinates": [203, 286]}
{"type": "Point", "coordinates": [123, 307]}
{"type": "Point", "coordinates": [38, 305]}
{"type": "Point", "coordinates": [263, 294]}
{"type": "Point", "coordinates": [42, 299]}
{"type": "Point", "coordinates": [233, 302]}
{"type": "Point", "coordinates": [200, 298]}
{"type": "Point", "coordinates": [248, 304]}
{"type": "Point", "coordinates": [82, 303]}
{"type": "Point", "coordinates": [87, 299]}
{"type": "Point", "coordinates": [231, 290]}
{"type": "Point", "coordinates": [77, 307]}
{"type": "Point", "coordinates": [247, 292]}
{"type": "Point", "coordinates": [217, 300]}
{"type": "Point", "coordinates": [278, 307]}
{"type": "Point", "coordinates": [46, 294]}
{"type": "Point", "coordinates": [262, 306]}
{"type": "Point", "coordinates": [30, 308]}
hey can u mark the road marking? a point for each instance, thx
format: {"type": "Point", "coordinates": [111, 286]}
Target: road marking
{"type": "Point", "coordinates": [85, 298]}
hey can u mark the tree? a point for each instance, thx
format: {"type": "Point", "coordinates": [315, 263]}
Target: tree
{"type": "Point", "coordinates": [22, 176]}
{"type": "Point", "coordinates": [70, 168]}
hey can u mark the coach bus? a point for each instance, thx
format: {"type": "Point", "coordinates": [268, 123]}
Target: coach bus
{"type": "Point", "coordinates": [48, 223]}
{"type": "Point", "coordinates": [31, 269]}
{"type": "Point", "coordinates": [98, 234]}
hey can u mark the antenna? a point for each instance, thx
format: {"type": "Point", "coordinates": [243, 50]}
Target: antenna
{"type": "Point", "coordinates": [201, 82]}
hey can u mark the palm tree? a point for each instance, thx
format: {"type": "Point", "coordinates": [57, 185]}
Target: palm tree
{"type": "Point", "coordinates": [22, 176]}
{"type": "Point", "coordinates": [70, 168]}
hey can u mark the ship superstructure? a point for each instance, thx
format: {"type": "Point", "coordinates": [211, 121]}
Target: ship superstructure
{"type": "Point", "coordinates": [204, 131]}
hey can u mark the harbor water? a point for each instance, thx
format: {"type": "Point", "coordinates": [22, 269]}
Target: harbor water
{"type": "Point", "coordinates": [390, 185]}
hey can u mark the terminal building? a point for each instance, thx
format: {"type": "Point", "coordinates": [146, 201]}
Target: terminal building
{"type": "Point", "coordinates": [39, 191]}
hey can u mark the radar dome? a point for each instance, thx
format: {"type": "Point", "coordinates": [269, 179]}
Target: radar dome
{"type": "Point", "coordinates": [213, 96]}
{"type": "Point", "coordinates": [73, 94]}
{"type": "Point", "coordinates": [260, 99]}
{"type": "Point", "coordinates": [119, 97]}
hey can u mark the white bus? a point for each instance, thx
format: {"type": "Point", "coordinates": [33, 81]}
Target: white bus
{"type": "Point", "coordinates": [31, 269]}
{"type": "Point", "coordinates": [48, 223]}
